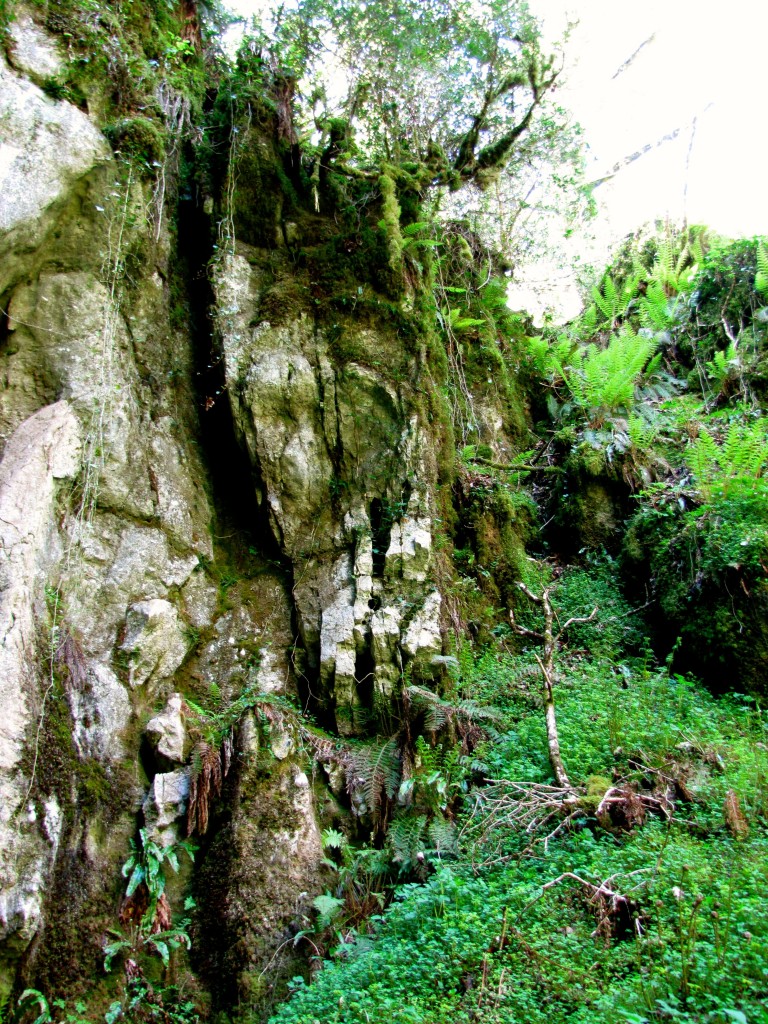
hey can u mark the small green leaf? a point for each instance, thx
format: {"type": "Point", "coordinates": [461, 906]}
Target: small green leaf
{"type": "Point", "coordinates": [736, 1015]}
{"type": "Point", "coordinates": [30, 996]}
{"type": "Point", "coordinates": [162, 949]}
{"type": "Point", "coordinates": [111, 951]}
{"type": "Point", "coordinates": [136, 879]}
{"type": "Point", "coordinates": [114, 1012]}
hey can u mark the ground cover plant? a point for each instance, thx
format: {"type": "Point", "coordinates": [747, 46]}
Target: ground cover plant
{"type": "Point", "coordinates": [646, 907]}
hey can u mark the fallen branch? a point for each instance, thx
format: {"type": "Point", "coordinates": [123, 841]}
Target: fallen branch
{"type": "Point", "coordinates": [528, 807]}
{"type": "Point", "coordinates": [616, 912]}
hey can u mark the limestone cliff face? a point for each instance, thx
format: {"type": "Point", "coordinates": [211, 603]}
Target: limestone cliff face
{"type": "Point", "coordinates": [104, 505]}
{"type": "Point", "coordinates": [112, 605]}
{"type": "Point", "coordinates": [345, 468]}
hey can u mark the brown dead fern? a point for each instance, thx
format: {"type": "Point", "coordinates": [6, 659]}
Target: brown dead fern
{"type": "Point", "coordinates": [735, 818]}
{"type": "Point", "coordinates": [209, 769]}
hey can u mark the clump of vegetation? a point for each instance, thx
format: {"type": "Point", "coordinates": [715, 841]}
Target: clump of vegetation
{"type": "Point", "coordinates": [138, 138]}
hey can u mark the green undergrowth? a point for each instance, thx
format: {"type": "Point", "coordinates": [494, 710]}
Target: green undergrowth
{"type": "Point", "coordinates": [652, 402]}
{"type": "Point", "coordinates": [515, 929]}
{"type": "Point", "coordinates": [498, 947]}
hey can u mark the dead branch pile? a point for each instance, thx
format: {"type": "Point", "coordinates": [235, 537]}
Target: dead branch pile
{"type": "Point", "coordinates": [535, 809]}
{"type": "Point", "coordinates": [541, 811]}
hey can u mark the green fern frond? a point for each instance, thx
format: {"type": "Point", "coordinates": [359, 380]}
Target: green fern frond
{"type": "Point", "coordinates": [738, 464]}
{"type": "Point", "coordinates": [436, 711]}
{"type": "Point", "coordinates": [703, 460]}
{"type": "Point", "coordinates": [672, 267]}
{"type": "Point", "coordinates": [328, 907]}
{"type": "Point", "coordinates": [375, 771]}
{"type": "Point", "coordinates": [655, 308]}
{"type": "Point", "coordinates": [475, 712]}
{"type": "Point", "coordinates": [611, 302]}
{"type": "Point", "coordinates": [698, 244]}
{"type": "Point", "coordinates": [606, 378]}
{"type": "Point", "coordinates": [724, 365]}
{"type": "Point", "coordinates": [442, 836]}
{"type": "Point", "coordinates": [406, 838]}
{"type": "Point", "coordinates": [540, 355]}
{"type": "Point", "coordinates": [761, 277]}
{"type": "Point", "coordinates": [333, 839]}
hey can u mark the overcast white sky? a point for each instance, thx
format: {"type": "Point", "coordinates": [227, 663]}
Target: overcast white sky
{"type": "Point", "coordinates": [702, 60]}
{"type": "Point", "coordinates": [695, 60]}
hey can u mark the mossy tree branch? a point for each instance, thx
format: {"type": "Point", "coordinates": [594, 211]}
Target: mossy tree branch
{"type": "Point", "coordinates": [470, 162]}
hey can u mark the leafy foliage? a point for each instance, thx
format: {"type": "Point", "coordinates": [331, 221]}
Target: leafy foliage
{"type": "Point", "coordinates": [528, 940]}
{"type": "Point", "coordinates": [602, 381]}
{"type": "Point", "coordinates": [735, 466]}
{"type": "Point", "coordinates": [425, 82]}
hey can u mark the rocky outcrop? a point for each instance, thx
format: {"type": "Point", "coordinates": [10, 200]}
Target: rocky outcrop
{"type": "Point", "coordinates": [42, 454]}
{"type": "Point", "coordinates": [114, 611]}
{"type": "Point", "coordinates": [257, 882]}
{"type": "Point", "coordinates": [345, 471]}
{"type": "Point", "coordinates": [104, 516]}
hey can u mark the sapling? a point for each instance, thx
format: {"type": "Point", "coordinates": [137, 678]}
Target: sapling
{"type": "Point", "coordinates": [550, 641]}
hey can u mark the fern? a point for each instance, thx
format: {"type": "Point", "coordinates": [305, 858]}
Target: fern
{"type": "Point", "coordinates": [406, 839]}
{"type": "Point", "coordinates": [697, 246]}
{"type": "Point", "coordinates": [328, 907]}
{"type": "Point", "coordinates": [205, 784]}
{"type": "Point", "coordinates": [761, 277]}
{"type": "Point", "coordinates": [585, 325]}
{"type": "Point", "coordinates": [438, 712]}
{"type": "Point", "coordinates": [672, 269]}
{"type": "Point", "coordinates": [656, 310]}
{"type": "Point", "coordinates": [703, 461]}
{"type": "Point", "coordinates": [605, 379]}
{"type": "Point", "coordinates": [611, 301]}
{"type": "Point", "coordinates": [442, 836]}
{"type": "Point", "coordinates": [334, 840]}
{"type": "Point", "coordinates": [738, 464]}
{"type": "Point", "coordinates": [724, 366]}
{"type": "Point", "coordinates": [641, 433]}
{"type": "Point", "coordinates": [374, 771]}
{"type": "Point", "coordinates": [457, 322]}
{"type": "Point", "coordinates": [539, 353]}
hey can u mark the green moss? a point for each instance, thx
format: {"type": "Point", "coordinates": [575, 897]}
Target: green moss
{"type": "Point", "coordinates": [390, 224]}
{"type": "Point", "coordinates": [258, 200]}
{"type": "Point", "coordinates": [6, 17]}
{"type": "Point", "coordinates": [587, 461]}
{"type": "Point", "coordinates": [137, 137]}
{"type": "Point", "coordinates": [706, 570]}
{"type": "Point", "coordinates": [244, 900]}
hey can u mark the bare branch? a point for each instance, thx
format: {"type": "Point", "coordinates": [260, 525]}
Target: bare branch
{"type": "Point", "coordinates": [531, 596]}
{"type": "Point", "coordinates": [574, 621]}
{"type": "Point", "coordinates": [523, 630]}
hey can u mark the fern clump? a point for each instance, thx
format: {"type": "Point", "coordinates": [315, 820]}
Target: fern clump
{"type": "Point", "coordinates": [602, 381]}
{"type": "Point", "coordinates": [735, 466]}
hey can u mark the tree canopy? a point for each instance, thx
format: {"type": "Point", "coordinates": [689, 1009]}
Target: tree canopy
{"type": "Point", "coordinates": [450, 85]}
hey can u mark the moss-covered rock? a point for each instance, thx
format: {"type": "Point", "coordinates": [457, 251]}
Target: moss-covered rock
{"type": "Point", "coordinates": [257, 880]}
